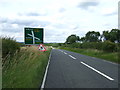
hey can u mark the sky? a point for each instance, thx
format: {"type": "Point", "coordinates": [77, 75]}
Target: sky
{"type": "Point", "coordinates": [59, 18]}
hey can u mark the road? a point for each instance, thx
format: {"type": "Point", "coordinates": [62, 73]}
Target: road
{"type": "Point", "coordinates": [72, 70]}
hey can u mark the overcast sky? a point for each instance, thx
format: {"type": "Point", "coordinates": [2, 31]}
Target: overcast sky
{"type": "Point", "coordinates": [59, 18]}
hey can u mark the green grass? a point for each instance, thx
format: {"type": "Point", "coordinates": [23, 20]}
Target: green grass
{"type": "Point", "coordinates": [25, 69]}
{"type": "Point", "coordinates": [110, 56]}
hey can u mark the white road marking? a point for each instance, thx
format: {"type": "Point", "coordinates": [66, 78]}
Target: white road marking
{"type": "Point", "coordinates": [65, 53]}
{"type": "Point", "coordinates": [110, 62]}
{"type": "Point", "coordinates": [106, 61]}
{"type": "Point", "coordinates": [52, 47]}
{"type": "Point", "coordinates": [61, 51]}
{"type": "Point", "coordinates": [98, 71]}
{"type": "Point", "coordinates": [72, 57]}
{"type": "Point", "coordinates": [44, 79]}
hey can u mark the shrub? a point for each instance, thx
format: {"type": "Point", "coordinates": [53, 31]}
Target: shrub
{"type": "Point", "coordinates": [55, 44]}
{"type": "Point", "coordinates": [109, 46]}
{"type": "Point", "coordinates": [89, 45]}
{"type": "Point", "coordinates": [9, 46]}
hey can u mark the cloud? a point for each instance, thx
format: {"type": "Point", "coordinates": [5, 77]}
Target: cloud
{"type": "Point", "coordinates": [111, 14]}
{"type": "Point", "coordinates": [86, 4]}
{"type": "Point", "coordinates": [14, 27]}
{"type": "Point", "coordinates": [58, 18]}
{"type": "Point", "coordinates": [62, 10]}
{"type": "Point", "coordinates": [60, 26]}
{"type": "Point", "coordinates": [9, 28]}
{"type": "Point", "coordinates": [42, 13]}
{"type": "Point", "coordinates": [3, 20]}
{"type": "Point", "coordinates": [25, 21]}
{"type": "Point", "coordinates": [29, 14]}
{"type": "Point", "coordinates": [109, 11]}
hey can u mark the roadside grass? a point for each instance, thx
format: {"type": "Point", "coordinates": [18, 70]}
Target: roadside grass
{"type": "Point", "coordinates": [110, 56]}
{"type": "Point", "coordinates": [25, 69]}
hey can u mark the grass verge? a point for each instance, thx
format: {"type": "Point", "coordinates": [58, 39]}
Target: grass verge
{"type": "Point", "coordinates": [25, 69]}
{"type": "Point", "coordinates": [113, 57]}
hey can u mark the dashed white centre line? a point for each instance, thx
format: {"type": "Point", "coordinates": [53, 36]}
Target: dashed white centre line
{"type": "Point", "coordinates": [65, 53]}
{"type": "Point", "coordinates": [61, 51]}
{"type": "Point", "coordinates": [98, 71]}
{"type": "Point", "coordinates": [72, 57]}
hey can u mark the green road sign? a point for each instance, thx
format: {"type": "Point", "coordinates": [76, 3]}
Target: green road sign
{"type": "Point", "coordinates": [33, 35]}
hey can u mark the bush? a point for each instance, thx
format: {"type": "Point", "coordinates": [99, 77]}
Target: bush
{"type": "Point", "coordinates": [109, 46]}
{"type": "Point", "coordinates": [9, 46]}
{"type": "Point", "coordinates": [89, 45]}
{"type": "Point", "coordinates": [105, 46]}
{"type": "Point", "coordinates": [55, 44]}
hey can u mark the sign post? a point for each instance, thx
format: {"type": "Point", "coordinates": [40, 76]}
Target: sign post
{"type": "Point", "coordinates": [33, 36]}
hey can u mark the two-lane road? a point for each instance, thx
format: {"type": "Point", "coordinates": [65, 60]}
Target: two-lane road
{"type": "Point", "coordinates": [72, 70]}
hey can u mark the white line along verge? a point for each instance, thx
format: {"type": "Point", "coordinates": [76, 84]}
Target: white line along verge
{"type": "Point", "coordinates": [106, 61]}
{"type": "Point", "coordinates": [110, 62]}
{"type": "Point", "coordinates": [98, 71]}
{"type": "Point", "coordinates": [72, 57]}
{"type": "Point", "coordinates": [44, 79]}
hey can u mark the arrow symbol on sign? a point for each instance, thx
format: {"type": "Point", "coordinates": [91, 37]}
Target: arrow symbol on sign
{"type": "Point", "coordinates": [33, 37]}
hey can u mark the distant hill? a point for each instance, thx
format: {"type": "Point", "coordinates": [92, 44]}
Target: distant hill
{"type": "Point", "coordinates": [21, 42]}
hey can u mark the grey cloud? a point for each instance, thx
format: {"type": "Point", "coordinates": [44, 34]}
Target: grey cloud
{"type": "Point", "coordinates": [107, 24]}
{"type": "Point", "coordinates": [55, 38]}
{"type": "Point", "coordinates": [53, 33]}
{"type": "Point", "coordinates": [21, 22]}
{"type": "Point", "coordinates": [9, 28]}
{"type": "Point", "coordinates": [41, 23]}
{"type": "Point", "coordinates": [111, 14]}
{"type": "Point", "coordinates": [32, 14]}
{"type": "Point", "coordinates": [76, 27]}
{"type": "Point", "coordinates": [60, 26]}
{"type": "Point", "coordinates": [24, 22]}
{"type": "Point", "coordinates": [86, 5]}
{"type": "Point", "coordinates": [3, 20]}
{"type": "Point", "coordinates": [62, 10]}
{"type": "Point", "coordinates": [7, 25]}
{"type": "Point", "coordinates": [14, 21]}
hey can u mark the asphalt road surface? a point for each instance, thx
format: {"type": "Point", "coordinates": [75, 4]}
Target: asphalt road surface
{"type": "Point", "coordinates": [72, 70]}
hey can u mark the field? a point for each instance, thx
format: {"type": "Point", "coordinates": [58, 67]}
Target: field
{"type": "Point", "coordinates": [26, 68]}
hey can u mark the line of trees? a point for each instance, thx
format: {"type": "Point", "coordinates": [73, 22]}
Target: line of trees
{"type": "Point", "coordinates": [107, 41]}
{"type": "Point", "coordinates": [92, 36]}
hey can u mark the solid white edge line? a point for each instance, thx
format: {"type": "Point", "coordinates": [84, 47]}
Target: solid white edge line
{"type": "Point", "coordinates": [106, 61]}
{"type": "Point", "coordinates": [72, 57]}
{"type": "Point", "coordinates": [110, 62]}
{"type": "Point", "coordinates": [98, 71]}
{"type": "Point", "coordinates": [44, 79]}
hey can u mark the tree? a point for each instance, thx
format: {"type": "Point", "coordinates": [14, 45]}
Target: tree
{"type": "Point", "coordinates": [106, 35]}
{"type": "Point", "coordinates": [113, 35]}
{"type": "Point", "coordinates": [78, 38]}
{"type": "Point", "coordinates": [83, 39]}
{"type": "Point", "coordinates": [72, 39]}
{"type": "Point", "coordinates": [92, 36]}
